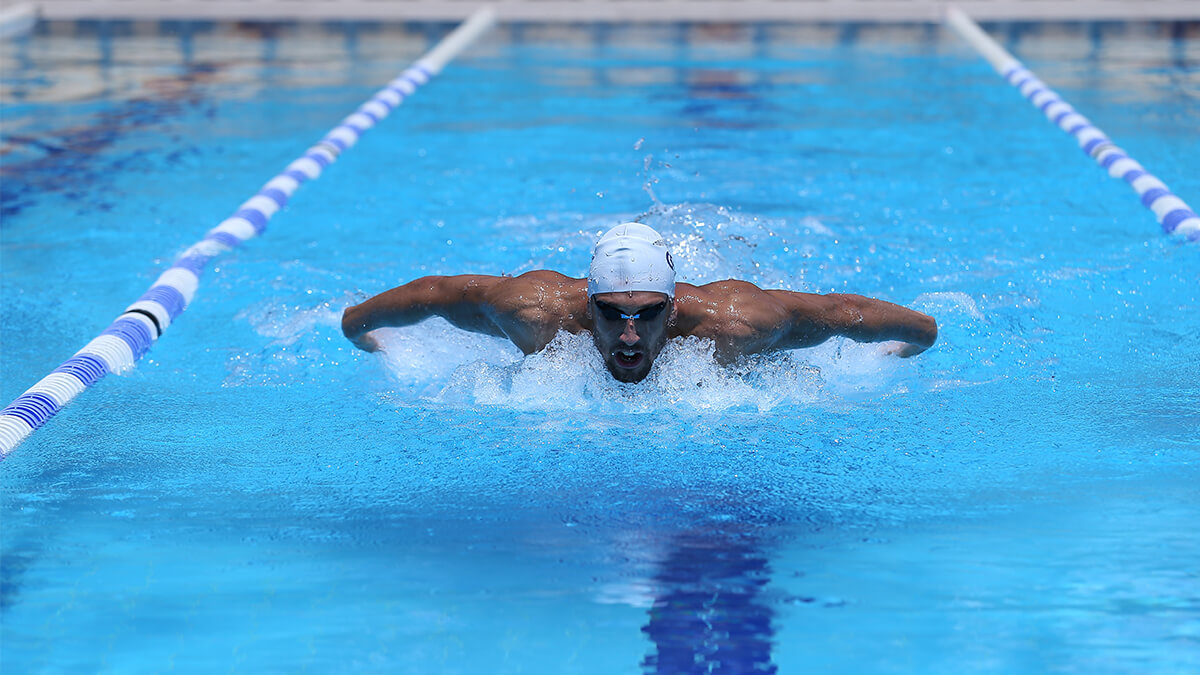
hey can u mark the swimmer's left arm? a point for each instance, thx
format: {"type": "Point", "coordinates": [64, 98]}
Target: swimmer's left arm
{"type": "Point", "coordinates": [813, 319]}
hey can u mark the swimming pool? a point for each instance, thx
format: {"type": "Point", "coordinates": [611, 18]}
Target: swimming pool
{"type": "Point", "coordinates": [258, 495]}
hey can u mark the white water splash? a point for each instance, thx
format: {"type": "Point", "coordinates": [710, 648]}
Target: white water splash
{"type": "Point", "coordinates": [570, 375]}
{"type": "Point", "coordinates": [708, 242]}
{"type": "Point", "coordinates": [286, 324]}
{"type": "Point", "coordinates": [711, 243]}
{"type": "Point", "coordinates": [434, 349]}
{"type": "Point", "coordinates": [296, 346]}
{"type": "Point", "coordinates": [436, 361]}
{"type": "Point", "coordinates": [951, 302]}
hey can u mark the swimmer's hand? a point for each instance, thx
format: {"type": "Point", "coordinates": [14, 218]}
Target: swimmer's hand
{"type": "Point", "coordinates": [367, 343]}
{"type": "Point", "coordinates": [901, 349]}
{"type": "Point", "coordinates": [358, 330]}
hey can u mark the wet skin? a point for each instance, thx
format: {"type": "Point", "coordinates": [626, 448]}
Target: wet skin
{"type": "Point", "coordinates": [739, 317]}
{"type": "Point", "coordinates": [629, 330]}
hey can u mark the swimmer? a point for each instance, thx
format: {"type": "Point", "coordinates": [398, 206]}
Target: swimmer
{"type": "Point", "coordinates": [631, 306]}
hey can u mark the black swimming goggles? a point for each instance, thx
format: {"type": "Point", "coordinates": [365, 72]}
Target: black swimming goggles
{"type": "Point", "coordinates": [644, 314]}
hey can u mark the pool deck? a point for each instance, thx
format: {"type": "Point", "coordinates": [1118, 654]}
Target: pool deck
{"type": "Point", "coordinates": [881, 11]}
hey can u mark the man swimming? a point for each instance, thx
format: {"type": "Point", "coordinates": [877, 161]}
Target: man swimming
{"type": "Point", "coordinates": [631, 305]}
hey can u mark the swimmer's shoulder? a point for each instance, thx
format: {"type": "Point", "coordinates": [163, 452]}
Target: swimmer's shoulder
{"type": "Point", "coordinates": [540, 284]}
{"type": "Point", "coordinates": [720, 297]}
{"type": "Point", "coordinates": [543, 290]}
{"type": "Point", "coordinates": [533, 307]}
{"type": "Point", "coordinates": [546, 278]}
{"type": "Point", "coordinates": [729, 311]}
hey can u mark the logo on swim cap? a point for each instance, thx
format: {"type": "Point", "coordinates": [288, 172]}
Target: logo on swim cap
{"type": "Point", "coordinates": [631, 257]}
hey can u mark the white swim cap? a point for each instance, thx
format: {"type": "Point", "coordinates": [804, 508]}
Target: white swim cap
{"type": "Point", "coordinates": [631, 257]}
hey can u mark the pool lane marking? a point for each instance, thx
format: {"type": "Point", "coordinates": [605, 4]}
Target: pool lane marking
{"type": "Point", "coordinates": [130, 336]}
{"type": "Point", "coordinates": [1172, 213]}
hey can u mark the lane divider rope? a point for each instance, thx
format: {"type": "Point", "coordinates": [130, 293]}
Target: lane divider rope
{"type": "Point", "coordinates": [1171, 211]}
{"type": "Point", "coordinates": [130, 336]}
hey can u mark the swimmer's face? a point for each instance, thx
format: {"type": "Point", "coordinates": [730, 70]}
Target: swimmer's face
{"type": "Point", "coordinates": [630, 329]}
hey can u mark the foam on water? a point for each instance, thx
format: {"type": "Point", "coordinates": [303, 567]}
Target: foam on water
{"type": "Point", "coordinates": [710, 243]}
{"type": "Point", "coordinates": [300, 341]}
{"type": "Point", "coordinates": [433, 350]}
{"type": "Point", "coordinates": [569, 374]}
{"type": "Point", "coordinates": [437, 362]}
{"type": "Point", "coordinates": [440, 363]}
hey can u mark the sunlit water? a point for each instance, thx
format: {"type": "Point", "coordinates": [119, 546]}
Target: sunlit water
{"type": "Point", "coordinates": [258, 495]}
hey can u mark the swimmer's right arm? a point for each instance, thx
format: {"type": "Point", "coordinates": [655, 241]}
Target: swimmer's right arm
{"type": "Point", "coordinates": [461, 300]}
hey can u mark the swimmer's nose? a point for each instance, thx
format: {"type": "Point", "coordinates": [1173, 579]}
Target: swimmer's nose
{"type": "Point", "coordinates": [629, 336]}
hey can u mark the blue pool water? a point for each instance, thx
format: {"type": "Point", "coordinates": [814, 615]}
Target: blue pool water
{"type": "Point", "coordinates": [257, 495]}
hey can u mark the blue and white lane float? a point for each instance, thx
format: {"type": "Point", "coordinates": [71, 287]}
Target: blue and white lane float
{"type": "Point", "coordinates": [130, 336]}
{"type": "Point", "coordinates": [1171, 211]}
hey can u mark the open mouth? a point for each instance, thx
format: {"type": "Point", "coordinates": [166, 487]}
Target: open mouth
{"type": "Point", "coordinates": [628, 358]}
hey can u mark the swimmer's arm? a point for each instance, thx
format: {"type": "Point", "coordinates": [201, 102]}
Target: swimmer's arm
{"type": "Point", "coordinates": [458, 299]}
{"type": "Point", "coordinates": [813, 319]}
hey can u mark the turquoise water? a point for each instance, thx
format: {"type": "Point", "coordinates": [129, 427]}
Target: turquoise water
{"type": "Point", "coordinates": [257, 495]}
